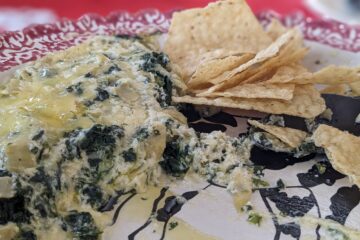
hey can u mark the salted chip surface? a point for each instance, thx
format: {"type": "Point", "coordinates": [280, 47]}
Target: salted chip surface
{"type": "Point", "coordinates": [287, 73]}
{"type": "Point", "coordinates": [286, 50]}
{"type": "Point", "coordinates": [196, 32]}
{"type": "Point", "coordinates": [275, 29]}
{"type": "Point", "coordinates": [241, 32]}
{"type": "Point", "coordinates": [330, 75]}
{"type": "Point", "coordinates": [214, 67]}
{"type": "Point", "coordinates": [342, 149]}
{"type": "Point", "coordinates": [269, 52]}
{"type": "Point", "coordinates": [340, 89]}
{"type": "Point", "coordinates": [306, 103]}
{"type": "Point", "coordinates": [290, 136]}
{"type": "Point", "coordinates": [272, 91]}
{"type": "Point", "coordinates": [355, 88]}
{"type": "Point", "coordinates": [270, 67]}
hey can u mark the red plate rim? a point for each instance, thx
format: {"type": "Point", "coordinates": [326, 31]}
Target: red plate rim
{"type": "Point", "coordinates": [34, 41]}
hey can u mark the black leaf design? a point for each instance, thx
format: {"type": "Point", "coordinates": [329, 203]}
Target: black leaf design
{"type": "Point", "coordinates": [295, 122]}
{"type": "Point", "coordinates": [291, 229]}
{"type": "Point", "coordinates": [207, 127]}
{"type": "Point", "coordinates": [345, 111]}
{"type": "Point", "coordinates": [315, 176]}
{"type": "Point", "coordinates": [173, 205]}
{"type": "Point", "coordinates": [293, 206]}
{"type": "Point", "coordinates": [223, 118]}
{"type": "Point", "coordinates": [345, 200]}
{"type": "Point", "coordinates": [190, 112]}
{"type": "Point", "coordinates": [273, 160]}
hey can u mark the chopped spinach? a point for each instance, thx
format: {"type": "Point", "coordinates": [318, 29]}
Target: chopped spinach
{"type": "Point", "coordinates": [71, 150]}
{"type": "Point", "coordinates": [13, 210]}
{"type": "Point", "coordinates": [92, 195]}
{"type": "Point", "coordinates": [258, 170]}
{"type": "Point", "coordinates": [38, 136]}
{"type": "Point", "coordinates": [176, 158]}
{"type": "Point", "coordinates": [257, 182]}
{"type": "Point", "coordinates": [5, 173]}
{"type": "Point", "coordinates": [127, 36]}
{"type": "Point", "coordinates": [129, 155]}
{"type": "Point", "coordinates": [165, 95]}
{"type": "Point", "coordinates": [173, 225]}
{"type": "Point", "coordinates": [321, 167]}
{"type": "Point", "coordinates": [150, 60]}
{"type": "Point", "coordinates": [153, 62]}
{"type": "Point", "coordinates": [89, 75]}
{"type": "Point", "coordinates": [255, 218]}
{"type": "Point", "coordinates": [26, 235]}
{"type": "Point", "coordinates": [43, 203]}
{"type": "Point", "coordinates": [88, 103]}
{"type": "Point", "coordinates": [306, 148]}
{"type": "Point", "coordinates": [99, 141]}
{"type": "Point", "coordinates": [275, 120]}
{"type": "Point", "coordinates": [246, 208]}
{"type": "Point", "coordinates": [90, 192]}
{"type": "Point", "coordinates": [76, 89]}
{"type": "Point", "coordinates": [111, 69]}
{"type": "Point", "coordinates": [337, 234]}
{"type": "Point", "coordinates": [142, 133]}
{"type": "Point", "coordinates": [267, 141]}
{"type": "Point", "coordinates": [81, 225]}
{"type": "Point", "coordinates": [101, 95]}
{"type": "Point", "coordinates": [280, 184]}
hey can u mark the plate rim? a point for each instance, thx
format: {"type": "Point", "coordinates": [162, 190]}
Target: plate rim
{"type": "Point", "coordinates": [36, 40]}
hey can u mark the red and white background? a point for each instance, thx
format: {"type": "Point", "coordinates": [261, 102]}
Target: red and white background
{"type": "Point", "coordinates": [17, 14]}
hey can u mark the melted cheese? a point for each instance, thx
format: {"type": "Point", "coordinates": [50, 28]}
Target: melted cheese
{"type": "Point", "coordinates": [9, 231]}
{"type": "Point", "coordinates": [82, 125]}
{"type": "Point", "coordinates": [6, 184]}
{"type": "Point", "coordinates": [333, 230]}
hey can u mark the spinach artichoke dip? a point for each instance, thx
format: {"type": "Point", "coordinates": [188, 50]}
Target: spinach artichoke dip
{"type": "Point", "coordinates": [81, 126]}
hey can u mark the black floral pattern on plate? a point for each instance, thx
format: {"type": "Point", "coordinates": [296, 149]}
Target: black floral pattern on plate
{"type": "Point", "coordinates": [315, 176]}
{"type": "Point", "coordinates": [205, 127]}
{"type": "Point", "coordinates": [343, 202]}
{"type": "Point", "coordinates": [345, 199]}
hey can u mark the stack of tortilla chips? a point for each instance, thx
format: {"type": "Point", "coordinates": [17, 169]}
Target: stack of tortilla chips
{"type": "Point", "coordinates": [228, 59]}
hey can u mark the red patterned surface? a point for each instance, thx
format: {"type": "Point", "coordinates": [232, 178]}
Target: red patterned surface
{"type": "Point", "coordinates": [74, 9]}
{"type": "Point", "coordinates": [35, 41]}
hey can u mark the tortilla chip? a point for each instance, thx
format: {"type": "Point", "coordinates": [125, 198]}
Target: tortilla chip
{"type": "Point", "coordinates": [272, 91]}
{"type": "Point", "coordinates": [287, 73]}
{"type": "Point", "coordinates": [230, 24]}
{"type": "Point", "coordinates": [342, 149]}
{"type": "Point", "coordinates": [284, 51]}
{"type": "Point", "coordinates": [341, 89]}
{"type": "Point", "coordinates": [330, 75]}
{"type": "Point", "coordinates": [196, 32]}
{"type": "Point", "coordinates": [263, 73]}
{"type": "Point", "coordinates": [290, 136]}
{"type": "Point", "coordinates": [272, 65]}
{"type": "Point", "coordinates": [355, 88]}
{"type": "Point", "coordinates": [212, 68]}
{"type": "Point", "coordinates": [276, 29]}
{"type": "Point", "coordinates": [265, 54]}
{"type": "Point", "coordinates": [306, 103]}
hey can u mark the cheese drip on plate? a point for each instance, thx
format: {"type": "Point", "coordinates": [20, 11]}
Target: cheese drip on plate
{"type": "Point", "coordinates": [83, 126]}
